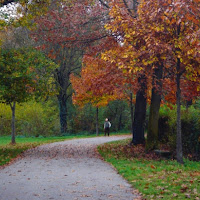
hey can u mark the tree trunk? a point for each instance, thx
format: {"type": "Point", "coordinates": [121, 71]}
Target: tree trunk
{"type": "Point", "coordinates": [179, 151]}
{"type": "Point", "coordinates": [140, 113]}
{"type": "Point", "coordinates": [120, 122]}
{"type": "Point", "coordinates": [62, 79]}
{"type": "Point", "coordinates": [152, 135]}
{"type": "Point", "coordinates": [132, 116]}
{"type": "Point", "coordinates": [97, 121]}
{"type": "Point", "coordinates": [13, 123]}
{"type": "Point", "coordinates": [188, 104]}
{"type": "Point", "coordinates": [63, 112]}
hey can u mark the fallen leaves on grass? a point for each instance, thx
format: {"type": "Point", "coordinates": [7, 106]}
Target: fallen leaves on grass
{"type": "Point", "coordinates": [120, 150]}
{"type": "Point", "coordinates": [155, 178]}
{"type": "Point", "coordinates": [8, 153]}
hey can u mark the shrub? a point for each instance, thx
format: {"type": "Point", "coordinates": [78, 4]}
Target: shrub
{"type": "Point", "coordinates": [190, 119]}
{"type": "Point", "coordinates": [32, 119]}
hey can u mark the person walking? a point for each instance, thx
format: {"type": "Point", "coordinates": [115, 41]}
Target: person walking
{"type": "Point", "coordinates": [107, 126]}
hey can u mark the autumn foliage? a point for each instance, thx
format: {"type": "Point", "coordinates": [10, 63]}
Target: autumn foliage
{"type": "Point", "coordinates": [97, 83]}
{"type": "Point", "coordinates": [158, 35]}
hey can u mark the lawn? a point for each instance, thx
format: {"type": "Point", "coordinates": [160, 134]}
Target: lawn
{"type": "Point", "coordinates": [153, 177]}
{"type": "Point", "coordinates": [5, 140]}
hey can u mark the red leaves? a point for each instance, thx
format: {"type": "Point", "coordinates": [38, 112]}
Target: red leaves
{"type": "Point", "coordinates": [72, 25]}
{"type": "Point", "coordinates": [153, 167]}
{"type": "Point", "coordinates": [129, 151]}
{"type": "Point", "coordinates": [183, 188]}
{"type": "Point", "coordinates": [100, 82]}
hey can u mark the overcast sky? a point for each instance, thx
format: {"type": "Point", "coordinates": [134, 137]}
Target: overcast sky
{"type": "Point", "coordinates": [9, 11]}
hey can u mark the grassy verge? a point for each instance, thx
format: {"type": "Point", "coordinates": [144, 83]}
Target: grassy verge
{"type": "Point", "coordinates": [153, 177]}
{"type": "Point", "coordinates": [8, 152]}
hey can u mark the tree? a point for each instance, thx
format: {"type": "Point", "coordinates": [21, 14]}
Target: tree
{"type": "Point", "coordinates": [101, 81]}
{"type": "Point", "coordinates": [123, 14]}
{"type": "Point", "coordinates": [154, 41]}
{"type": "Point", "coordinates": [172, 28]}
{"type": "Point", "coordinates": [86, 86]}
{"type": "Point", "coordinates": [65, 36]}
{"type": "Point", "coordinates": [24, 74]}
{"type": "Point", "coordinates": [152, 137]}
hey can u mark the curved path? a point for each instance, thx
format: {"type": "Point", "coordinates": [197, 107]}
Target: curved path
{"type": "Point", "coordinates": [69, 170]}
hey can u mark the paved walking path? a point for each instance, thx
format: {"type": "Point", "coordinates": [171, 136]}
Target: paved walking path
{"type": "Point", "coordinates": [69, 170]}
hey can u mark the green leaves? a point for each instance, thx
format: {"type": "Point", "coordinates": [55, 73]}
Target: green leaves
{"type": "Point", "coordinates": [24, 74]}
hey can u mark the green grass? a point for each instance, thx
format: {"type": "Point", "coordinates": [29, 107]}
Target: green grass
{"type": "Point", "coordinates": [8, 151]}
{"type": "Point", "coordinates": [5, 140]}
{"type": "Point", "coordinates": [154, 178]}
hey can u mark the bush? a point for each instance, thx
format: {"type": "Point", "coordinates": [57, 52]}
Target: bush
{"type": "Point", "coordinates": [32, 119]}
{"type": "Point", "coordinates": [190, 119]}
{"type": "Point", "coordinates": [42, 118]}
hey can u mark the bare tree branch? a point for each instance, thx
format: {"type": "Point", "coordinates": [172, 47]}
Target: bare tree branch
{"type": "Point", "coordinates": [104, 4]}
{"type": "Point", "coordinates": [129, 10]}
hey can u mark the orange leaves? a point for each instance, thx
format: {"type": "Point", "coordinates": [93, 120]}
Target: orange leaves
{"type": "Point", "coordinates": [163, 32]}
{"type": "Point", "coordinates": [188, 88]}
{"type": "Point", "coordinates": [101, 81]}
{"type": "Point", "coordinates": [169, 2]}
{"type": "Point", "coordinates": [94, 85]}
{"type": "Point", "coordinates": [153, 167]}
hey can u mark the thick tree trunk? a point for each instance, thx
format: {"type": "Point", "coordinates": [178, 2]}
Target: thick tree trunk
{"type": "Point", "coordinates": [62, 79]}
{"type": "Point", "coordinates": [179, 151]}
{"type": "Point", "coordinates": [97, 121]}
{"type": "Point", "coordinates": [140, 113]}
{"type": "Point", "coordinates": [152, 135]}
{"type": "Point", "coordinates": [63, 112]}
{"type": "Point", "coordinates": [13, 123]}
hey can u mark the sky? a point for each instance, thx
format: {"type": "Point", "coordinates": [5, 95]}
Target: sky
{"type": "Point", "coordinates": [9, 12]}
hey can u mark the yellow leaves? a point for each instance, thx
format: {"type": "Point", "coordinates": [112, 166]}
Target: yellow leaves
{"type": "Point", "coordinates": [128, 36]}
{"type": "Point", "coordinates": [198, 70]}
{"type": "Point", "coordinates": [107, 26]}
{"type": "Point", "coordinates": [147, 62]}
{"type": "Point", "coordinates": [2, 24]}
{"type": "Point", "coordinates": [159, 28]}
{"type": "Point", "coordinates": [191, 51]}
{"type": "Point", "coordinates": [143, 48]}
{"type": "Point", "coordinates": [137, 69]}
{"type": "Point", "coordinates": [125, 55]}
{"type": "Point", "coordinates": [106, 56]}
{"type": "Point", "coordinates": [163, 57]}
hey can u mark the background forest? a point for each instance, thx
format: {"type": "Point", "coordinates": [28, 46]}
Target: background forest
{"type": "Point", "coordinates": [41, 119]}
